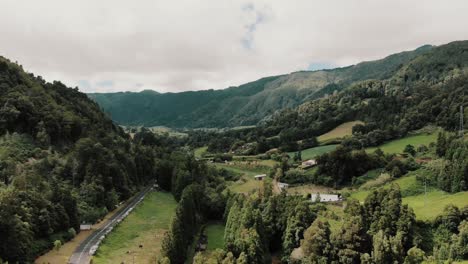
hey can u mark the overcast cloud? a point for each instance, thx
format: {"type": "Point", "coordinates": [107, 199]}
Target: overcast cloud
{"type": "Point", "coordinates": [170, 46]}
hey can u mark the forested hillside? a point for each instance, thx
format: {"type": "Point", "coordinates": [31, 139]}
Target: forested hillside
{"type": "Point", "coordinates": [246, 104]}
{"type": "Point", "coordinates": [428, 90]}
{"type": "Point", "coordinates": [62, 162]}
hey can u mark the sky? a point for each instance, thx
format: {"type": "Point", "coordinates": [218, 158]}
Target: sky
{"type": "Point", "coordinates": [173, 46]}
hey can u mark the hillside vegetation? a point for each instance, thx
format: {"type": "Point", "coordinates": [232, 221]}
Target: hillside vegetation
{"type": "Point", "coordinates": [246, 104]}
{"type": "Point", "coordinates": [62, 162]}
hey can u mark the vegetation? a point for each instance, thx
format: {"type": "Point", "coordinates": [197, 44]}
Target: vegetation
{"type": "Point", "coordinates": [63, 162]}
{"type": "Point", "coordinates": [215, 234]}
{"type": "Point", "coordinates": [312, 153]}
{"type": "Point", "coordinates": [398, 145]}
{"type": "Point", "coordinates": [144, 227]}
{"type": "Point", "coordinates": [243, 105]}
{"type": "Point", "coordinates": [341, 131]}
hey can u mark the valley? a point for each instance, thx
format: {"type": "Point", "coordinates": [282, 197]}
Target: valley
{"type": "Point", "coordinates": [361, 164]}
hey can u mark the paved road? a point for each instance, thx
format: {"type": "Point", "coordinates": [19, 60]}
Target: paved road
{"type": "Point", "coordinates": [81, 254]}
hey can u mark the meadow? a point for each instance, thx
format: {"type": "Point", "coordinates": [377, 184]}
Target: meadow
{"type": "Point", "coordinates": [247, 182]}
{"type": "Point", "coordinates": [311, 153]}
{"type": "Point", "coordinates": [137, 239]}
{"type": "Point", "coordinates": [215, 233]}
{"type": "Point", "coordinates": [345, 129]}
{"type": "Point", "coordinates": [426, 206]}
{"type": "Point", "coordinates": [398, 145]}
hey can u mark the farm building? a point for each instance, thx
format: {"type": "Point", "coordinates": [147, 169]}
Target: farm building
{"type": "Point", "coordinates": [260, 177]}
{"type": "Point", "coordinates": [325, 197]}
{"type": "Point", "coordinates": [308, 164]}
{"type": "Point", "coordinates": [282, 185]}
{"type": "Point", "coordinates": [85, 227]}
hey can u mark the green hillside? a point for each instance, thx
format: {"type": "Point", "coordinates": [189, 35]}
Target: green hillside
{"type": "Point", "coordinates": [246, 104]}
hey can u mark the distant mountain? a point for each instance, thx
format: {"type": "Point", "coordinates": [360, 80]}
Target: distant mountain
{"type": "Point", "coordinates": [246, 104]}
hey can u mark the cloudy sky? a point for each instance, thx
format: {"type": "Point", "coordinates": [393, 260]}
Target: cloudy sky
{"type": "Point", "coordinates": [170, 46]}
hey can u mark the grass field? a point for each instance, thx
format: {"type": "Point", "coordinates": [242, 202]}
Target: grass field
{"type": "Point", "coordinates": [215, 233]}
{"type": "Point", "coordinates": [308, 189]}
{"type": "Point", "coordinates": [314, 152]}
{"type": "Point", "coordinates": [340, 131]}
{"type": "Point", "coordinates": [198, 152]}
{"type": "Point", "coordinates": [397, 146]}
{"type": "Point", "coordinates": [144, 226]}
{"type": "Point", "coordinates": [426, 207]}
{"type": "Point", "coordinates": [247, 183]}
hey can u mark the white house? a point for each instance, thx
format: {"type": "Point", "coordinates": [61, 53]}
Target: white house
{"type": "Point", "coordinates": [326, 197]}
{"type": "Point", "coordinates": [260, 177]}
{"type": "Point", "coordinates": [85, 227]}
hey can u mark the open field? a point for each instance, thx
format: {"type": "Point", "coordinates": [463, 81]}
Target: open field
{"type": "Point", "coordinates": [198, 152]}
{"type": "Point", "coordinates": [247, 183]}
{"type": "Point", "coordinates": [311, 153]}
{"type": "Point", "coordinates": [308, 189]}
{"type": "Point", "coordinates": [145, 226]}
{"type": "Point", "coordinates": [397, 146]}
{"type": "Point", "coordinates": [426, 207]}
{"type": "Point", "coordinates": [215, 233]}
{"type": "Point", "coordinates": [340, 131]}
{"type": "Point", "coordinates": [167, 130]}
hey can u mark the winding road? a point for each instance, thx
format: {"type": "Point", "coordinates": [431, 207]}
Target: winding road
{"type": "Point", "coordinates": [82, 255]}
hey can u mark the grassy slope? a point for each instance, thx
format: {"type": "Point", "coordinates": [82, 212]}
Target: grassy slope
{"type": "Point", "coordinates": [144, 226]}
{"type": "Point", "coordinates": [198, 152]}
{"type": "Point", "coordinates": [425, 207]}
{"type": "Point", "coordinates": [397, 146]}
{"type": "Point", "coordinates": [215, 234]}
{"type": "Point", "coordinates": [340, 131]}
{"type": "Point", "coordinates": [313, 152]}
{"type": "Point", "coordinates": [248, 182]}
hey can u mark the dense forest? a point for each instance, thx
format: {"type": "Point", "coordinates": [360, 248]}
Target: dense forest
{"type": "Point", "coordinates": [246, 104]}
{"type": "Point", "coordinates": [427, 90]}
{"type": "Point", "coordinates": [62, 162]}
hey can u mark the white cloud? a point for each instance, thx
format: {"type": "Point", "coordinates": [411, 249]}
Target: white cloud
{"type": "Point", "coordinates": [111, 45]}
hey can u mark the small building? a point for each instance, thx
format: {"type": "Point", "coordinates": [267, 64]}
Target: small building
{"type": "Point", "coordinates": [325, 197]}
{"type": "Point", "coordinates": [85, 227]}
{"type": "Point", "coordinates": [282, 185]}
{"type": "Point", "coordinates": [260, 177]}
{"type": "Point", "coordinates": [308, 164]}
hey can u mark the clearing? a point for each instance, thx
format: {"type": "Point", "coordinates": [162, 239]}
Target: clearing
{"type": "Point", "coordinates": [398, 145]}
{"type": "Point", "coordinates": [426, 207]}
{"type": "Point", "coordinates": [215, 233]}
{"type": "Point", "coordinates": [199, 152]}
{"type": "Point", "coordinates": [248, 170]}
{"type": "Point", "coordinates": [345, 129]}
{"type": "Point", "coordinates": [308, 189]}
{"type": "Point", "coordinates": [144, 227]}
{"type": "Point", "coordinates": [311, 153]}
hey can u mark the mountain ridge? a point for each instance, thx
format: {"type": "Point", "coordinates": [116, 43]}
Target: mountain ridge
{"type": "Point", "coordinates": [246, 104]}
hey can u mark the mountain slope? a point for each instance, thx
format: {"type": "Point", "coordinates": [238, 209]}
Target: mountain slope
{"type": "Point", "coordinates": [246, 104]}
{"type": "Point", "coordinates": [62, 162]}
